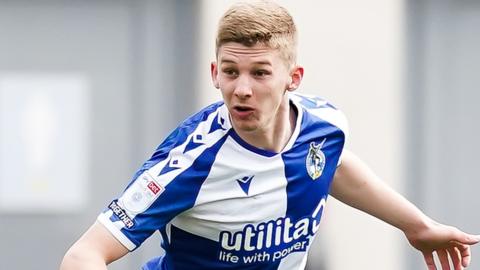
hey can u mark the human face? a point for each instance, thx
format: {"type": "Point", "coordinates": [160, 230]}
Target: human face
{"type": "Point", "coordinates": [253, 81]}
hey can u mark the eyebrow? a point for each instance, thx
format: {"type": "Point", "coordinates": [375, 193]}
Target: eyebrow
{"type": "Point", "coordinates": [261, 62]}
{"type": "Point", "coordinates": [227, 61]}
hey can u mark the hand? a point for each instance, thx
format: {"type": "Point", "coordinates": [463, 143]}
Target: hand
{"type": "Point", "coordinates": [447, 242]}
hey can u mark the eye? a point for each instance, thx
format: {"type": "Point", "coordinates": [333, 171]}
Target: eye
{"type": "Point", "coordinates": [230, 72]}
{"type": "Point", "coordinates": [261, 73]}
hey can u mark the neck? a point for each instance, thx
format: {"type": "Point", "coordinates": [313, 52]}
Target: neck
{"type": "Point", "coordinates": [274, 137]}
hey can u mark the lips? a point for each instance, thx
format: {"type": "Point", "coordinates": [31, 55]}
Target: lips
{"type": "Point", "coordinates": [242, 108]}
{"type": "Point", "coordinates": [242, 111]}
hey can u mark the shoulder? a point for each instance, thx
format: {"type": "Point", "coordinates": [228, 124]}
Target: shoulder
{"type": "Point", "coordinates": [319, 108]}
{"type": "Point", "coordinates": [203, 114]}
{"type": "Point", "coordinates": [196, 132]}
{"type": "Point", "coordinates": [211, 119]}
{"type": "Point", "coordinates": [204, 122]}
{"type": "Point", "coordinates": [192, 142]}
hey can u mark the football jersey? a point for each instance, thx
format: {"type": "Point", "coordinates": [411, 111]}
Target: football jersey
{"type": "Point", "coordinates": [221, 203]}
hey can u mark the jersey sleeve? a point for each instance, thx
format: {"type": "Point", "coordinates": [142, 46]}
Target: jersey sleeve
{"type": "Point", "coordinates": [127, 217]}
{"type": "Point", "coordinates": [166, 185]}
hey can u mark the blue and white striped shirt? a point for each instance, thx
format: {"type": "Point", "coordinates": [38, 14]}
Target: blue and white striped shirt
{"type": "Point", "coordinates": [220, 203]}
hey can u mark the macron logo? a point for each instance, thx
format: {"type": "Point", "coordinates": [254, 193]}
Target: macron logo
{"type": "Point", "coordinates": [244, 183]}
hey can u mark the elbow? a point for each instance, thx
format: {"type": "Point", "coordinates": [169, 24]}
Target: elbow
{"type": "Point", "coordinates": [70, 260]}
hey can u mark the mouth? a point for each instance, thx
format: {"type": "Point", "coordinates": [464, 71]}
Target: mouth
{"type": "Point", "coordinates": [242, 108]}
{"type": "Point", "coordinates": [242, 111]}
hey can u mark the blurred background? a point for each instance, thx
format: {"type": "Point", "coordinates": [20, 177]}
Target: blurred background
{"type": "Point", "coordinates": [88, 89]}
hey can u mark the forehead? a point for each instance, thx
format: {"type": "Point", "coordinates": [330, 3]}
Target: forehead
{"type": "Point", "coordinates": [236, 52]}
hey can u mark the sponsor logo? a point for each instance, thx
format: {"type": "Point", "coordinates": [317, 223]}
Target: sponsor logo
{"type": "Point", "coordinates": [153, 187]}
{"type": "Point", "coordinates": [315, 161]}
{"type": "Point", "coordinates": [269, 241]}
{"type": "Point", "coordinates": [140, 194]}
{"type": "Point", "coordinates": [121, 214]}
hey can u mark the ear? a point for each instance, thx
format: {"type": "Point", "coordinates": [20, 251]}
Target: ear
{"type": "Point", "coordinates": [214, 73]}
{"type": "Point", "coordinates": [296, 76]}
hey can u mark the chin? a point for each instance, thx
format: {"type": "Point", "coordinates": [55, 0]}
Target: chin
{"type": "Point", "coordinates": [245, 127]}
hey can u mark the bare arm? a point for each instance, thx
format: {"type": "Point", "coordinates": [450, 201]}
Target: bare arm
{"type": "Point", "coordinates": [356, 185]}
{"type": "Point", "coordinates": [94, 250]}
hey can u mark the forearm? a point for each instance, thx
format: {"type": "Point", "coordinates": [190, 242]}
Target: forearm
{"type": "Point", "coordinates": [79, 260]}
{"type": "Point", "coordinates": [356, 185]}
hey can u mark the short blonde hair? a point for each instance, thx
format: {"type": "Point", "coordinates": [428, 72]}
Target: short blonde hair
{"type": "Point", "coordinates": [264, 22]}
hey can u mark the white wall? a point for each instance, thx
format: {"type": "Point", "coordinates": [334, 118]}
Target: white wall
{"type": "Point", "coordinates": [352, 54]}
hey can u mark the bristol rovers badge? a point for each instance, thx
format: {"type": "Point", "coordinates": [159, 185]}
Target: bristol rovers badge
{"type": "Point", "coordinates": [315, 161]}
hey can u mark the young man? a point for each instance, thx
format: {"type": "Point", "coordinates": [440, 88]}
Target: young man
{"type": "Point", "coordinates": [243, 183]}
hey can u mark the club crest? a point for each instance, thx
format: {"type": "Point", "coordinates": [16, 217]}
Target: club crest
{"type": "Point", "coordinates": [315, 161]}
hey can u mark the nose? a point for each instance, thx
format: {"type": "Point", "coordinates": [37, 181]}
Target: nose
{"type": "Point", "coordinates": [243, 88]}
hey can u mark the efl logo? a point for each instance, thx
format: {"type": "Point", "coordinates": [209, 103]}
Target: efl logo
{"type": "Point", "coordinates": [153, 187]}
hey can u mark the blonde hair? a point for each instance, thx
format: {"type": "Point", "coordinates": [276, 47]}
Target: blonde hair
{"type": "Point", "coordinates": [264, 22]}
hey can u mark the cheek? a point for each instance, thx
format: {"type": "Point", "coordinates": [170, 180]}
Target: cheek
{"type": "Point", "coordinates": [224, 87]}
{"type": "Point", "coordinates": [277, 90]}
{"type": "Point", "coordinates": [227, 93]}
{"type": "Point", "coordinates": [268, 101]}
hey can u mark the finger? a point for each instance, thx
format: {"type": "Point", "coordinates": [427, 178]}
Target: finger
{"type": "Point", "coordinates": [428, 256]}
{"type": "Point", "coordinates": [465, 238]}
{"type": "Point", "coordinates": [456, 258]}
{"type": "Point", "coordinates": [464, 254]}
{"type": "Point", "coordinates": [443, 258]}
{"type": "Point", "coordinates": [472, 239]}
